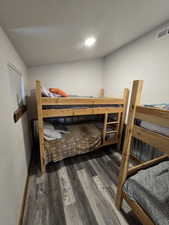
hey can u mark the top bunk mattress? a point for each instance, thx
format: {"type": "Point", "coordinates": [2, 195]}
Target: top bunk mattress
{"type": "Point", "coordinates": [150, 189]}
{"type": "Point", "coordinates": [46, 93]}
{"type": "Point", "coordinates": [80, 106]}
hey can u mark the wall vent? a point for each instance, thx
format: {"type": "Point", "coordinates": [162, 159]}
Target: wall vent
{"type": "Point", "coordinates": [163, 33]}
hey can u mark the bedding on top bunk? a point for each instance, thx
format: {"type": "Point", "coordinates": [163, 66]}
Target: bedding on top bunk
{"type": "Point", "coordinates": [78, 106]}
{"type": "Point", "coordinates": [142, 150]}
{"type": "Point", "coordinates": [150, 189]}
{"type": "Point", "coordinates": [47, 93]}
{"type": "Point", "coordinates": [61, 94]}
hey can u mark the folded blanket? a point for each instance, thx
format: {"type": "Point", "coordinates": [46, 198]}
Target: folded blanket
{"type": "Point", "coordinates": [50, 133]}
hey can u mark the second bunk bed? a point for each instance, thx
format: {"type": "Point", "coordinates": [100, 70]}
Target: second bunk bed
{"type": "Point", "coordinates": [145, 186]}
{"type": "Point", "coordinates": [97, 122]}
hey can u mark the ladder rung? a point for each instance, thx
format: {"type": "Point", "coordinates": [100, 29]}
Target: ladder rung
{"type": "Point", "coordinates": [112, 131]}
{"type": "Point", "coordinates": [114, 122]}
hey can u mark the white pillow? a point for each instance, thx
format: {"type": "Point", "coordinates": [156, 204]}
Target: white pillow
{"type": "Point", "coordinates": [47, 93]}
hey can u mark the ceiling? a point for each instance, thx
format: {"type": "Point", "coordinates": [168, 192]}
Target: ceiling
{"type": "Point", "coordinates": [53, 31]}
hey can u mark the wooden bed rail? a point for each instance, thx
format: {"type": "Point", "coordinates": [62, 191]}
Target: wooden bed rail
{"type": "Point", "coordinates": [146, 164]}
{"type": "Point", "coordinates": [101, 93]}
{"type": "Point", "coordinates": [101, 100]}
{"type": "Point", "coordinates": [81, 101]}
{"type": "Point", "coordinates": [141, 214]}
{"type": "Point", "coordinates": [47, 113]}
{"type": "Point", "coordinates": [153, 115]}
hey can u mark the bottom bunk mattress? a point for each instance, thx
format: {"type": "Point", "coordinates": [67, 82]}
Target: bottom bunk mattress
{"type": "Point", "coordinates": [150, 189]}
{"type": "Point", "coordinates": [78, 139]}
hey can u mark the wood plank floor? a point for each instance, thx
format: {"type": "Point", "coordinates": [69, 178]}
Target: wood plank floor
{"type": "Point", "coordinates": [77, 191]}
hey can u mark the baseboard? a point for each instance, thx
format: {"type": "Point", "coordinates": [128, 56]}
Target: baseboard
{"type": "Point", "coordinates": [24, 197]}
{"type": "Point", "coordinates": [20, 221]}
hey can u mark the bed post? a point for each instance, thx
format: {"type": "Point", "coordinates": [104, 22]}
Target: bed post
{"type": "Point", "coordinates": [101, 94]}
{"type": "Point", "coordinates": [40, 125]}
{"type": "Point", "coordinates": [122, 122]}
{"type": "Point", "coordinates": [135, 100]}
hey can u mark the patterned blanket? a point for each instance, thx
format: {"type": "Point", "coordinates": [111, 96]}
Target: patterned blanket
{"type": "Point", "coordinates": [150, 189]}
{"type": "Point", "coordinates": [81, 138]}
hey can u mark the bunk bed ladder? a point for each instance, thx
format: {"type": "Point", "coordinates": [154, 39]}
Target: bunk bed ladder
{"type": "Point", "coordinates": [123, 118]}
{"type": "Point", "coordinates": [106, 124]}
{"type": "Point", "coordinates": [120, 121]}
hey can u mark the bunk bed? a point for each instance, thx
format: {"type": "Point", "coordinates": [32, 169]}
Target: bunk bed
{"type": "Point", "coordinates": [145, 186]}
{"type": "Point", "coordinates": [71, 106]}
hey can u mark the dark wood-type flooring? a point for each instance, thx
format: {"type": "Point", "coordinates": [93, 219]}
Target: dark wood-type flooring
{"type": "Point", "coordinates": [77, 191]}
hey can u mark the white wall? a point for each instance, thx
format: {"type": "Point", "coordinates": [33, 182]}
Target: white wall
{"type": "Point", "coordinates": [81, 78]}
{"type": "Point", "coordinates": [14, 141]}
{"type": "Point", "coordinates": [148, 59]}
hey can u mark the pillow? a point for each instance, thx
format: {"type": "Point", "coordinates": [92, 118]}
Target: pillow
{"type": "Point", "coordinates": [47, 93]}
{"type": "Point", "coordinates": [58, 91]}
{"type": "Point", "coordinates": [161, 106]}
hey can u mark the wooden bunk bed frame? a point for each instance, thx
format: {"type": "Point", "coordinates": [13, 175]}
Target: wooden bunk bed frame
{"type": "Point", "coordinates": [47, 113]}
{"type": "Point", "coordinates": [161, 142]}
